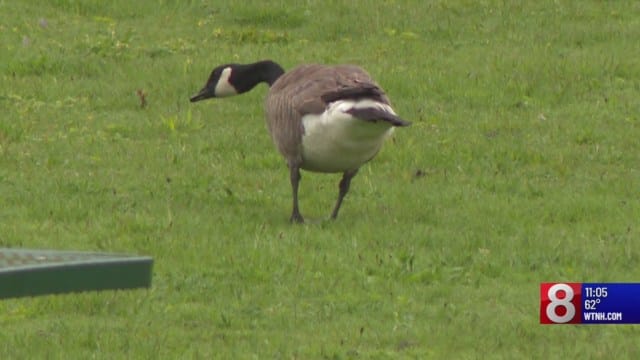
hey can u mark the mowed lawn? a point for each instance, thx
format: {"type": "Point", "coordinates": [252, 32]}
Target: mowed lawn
{"type": "Point", "coordinates": [522, 166]}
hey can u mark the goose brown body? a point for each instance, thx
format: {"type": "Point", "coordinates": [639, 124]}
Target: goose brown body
{"type": "Point", "coordinates": [305, 90]}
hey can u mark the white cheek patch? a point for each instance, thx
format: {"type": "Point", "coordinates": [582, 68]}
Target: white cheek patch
{"type": "Point", "coordinates": [224, 87]}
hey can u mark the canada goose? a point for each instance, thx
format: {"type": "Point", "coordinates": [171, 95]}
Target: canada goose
{"type": "Point", "coordinates": [321, 118]}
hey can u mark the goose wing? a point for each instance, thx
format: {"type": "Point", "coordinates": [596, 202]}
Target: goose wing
{"type": "Point", "coordinates": [325, 84]}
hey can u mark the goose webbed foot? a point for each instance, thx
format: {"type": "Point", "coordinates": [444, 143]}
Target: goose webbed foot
{"type": "Point", "coordinates": [296, 218]}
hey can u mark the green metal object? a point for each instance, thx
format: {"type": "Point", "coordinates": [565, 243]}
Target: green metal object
{"type": "Point", "coordinates": [26, 272]}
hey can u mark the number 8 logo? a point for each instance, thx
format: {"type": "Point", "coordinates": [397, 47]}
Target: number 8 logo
{"type": "Point", "coordinates": [565, 302]}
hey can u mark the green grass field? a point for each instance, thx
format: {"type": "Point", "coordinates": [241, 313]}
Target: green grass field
{"type": "Point", "coordinates": [522, 166]}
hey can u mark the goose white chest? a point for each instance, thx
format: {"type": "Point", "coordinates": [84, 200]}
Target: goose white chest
{"type": "Point", "coordinates": [335, 141]}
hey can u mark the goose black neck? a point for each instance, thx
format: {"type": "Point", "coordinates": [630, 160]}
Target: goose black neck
{"type": "Point", "coordinates": [269, 71]}
{"type": "Point", "coordinates": [246, 77]}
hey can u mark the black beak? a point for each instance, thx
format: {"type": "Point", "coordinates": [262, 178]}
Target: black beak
{"type": "Point", "coordinates": [202, 95]}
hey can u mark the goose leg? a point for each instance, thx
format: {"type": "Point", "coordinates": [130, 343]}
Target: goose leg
{"type": "Point", "coordinates": [296, 217]}
{"type": "Point", "coordinates": [344, 188]}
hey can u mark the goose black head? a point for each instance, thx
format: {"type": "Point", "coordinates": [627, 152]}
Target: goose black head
{"type": "Point", "coordinates": [233, 79]}
{"type": "Point", "coordinates": [219, 84]}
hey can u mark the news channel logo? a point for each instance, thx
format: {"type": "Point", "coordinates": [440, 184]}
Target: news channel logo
{"type": "Point", "coordinates": [589, 303]}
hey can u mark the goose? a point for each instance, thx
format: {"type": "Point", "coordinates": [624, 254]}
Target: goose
{"type": "Point", "coordinates": [327, 119]}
